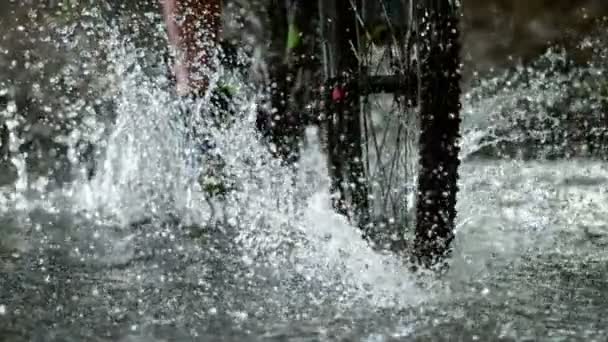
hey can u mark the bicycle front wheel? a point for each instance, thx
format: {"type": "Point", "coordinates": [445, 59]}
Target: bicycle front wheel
{"type": "Point", "coordinates": [392, 124]}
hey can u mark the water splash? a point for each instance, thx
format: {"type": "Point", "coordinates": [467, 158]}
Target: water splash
{"type": "Point", "coordinates": [278, 216]}
{"type": "Point", "coordinates": [272, 247]}
{"type": "Point", "coordinates": [552, 108]}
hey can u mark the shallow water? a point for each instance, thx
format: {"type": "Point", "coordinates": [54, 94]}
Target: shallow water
{"type": "Point", "coordinates": [529, 264]}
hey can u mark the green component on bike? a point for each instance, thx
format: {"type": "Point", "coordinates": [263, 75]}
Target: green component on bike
{"type": "Point", "coordinates": [378, 33]}
{"type": "Point", "coordinates": [227, 89]}
{"type": "Point", "coordinates": [293, 37]}
{"type": "Point", "coordinates": [214, 186]}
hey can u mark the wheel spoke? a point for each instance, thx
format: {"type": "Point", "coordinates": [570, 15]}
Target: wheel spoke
{"type": "Point", "coordinates": [398, 147]}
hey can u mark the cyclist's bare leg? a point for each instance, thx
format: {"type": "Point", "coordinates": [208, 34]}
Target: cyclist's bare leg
{"type": "Point", "coordinates": [193, 27]}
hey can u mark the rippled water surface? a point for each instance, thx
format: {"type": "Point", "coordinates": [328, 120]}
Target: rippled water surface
{"type": "Point", "coordinates": [530, 263]}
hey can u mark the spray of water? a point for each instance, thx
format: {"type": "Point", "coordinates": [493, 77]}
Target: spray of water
{"type": "Point", "coordinates": [279, 218]}
{"type": "Point", "coordinates": [276, 224]}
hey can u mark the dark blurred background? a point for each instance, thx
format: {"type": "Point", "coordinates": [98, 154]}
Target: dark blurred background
{"type": "Point", "coordinates": [503, 32]}
{"type": "Point", "coordinates": [496, 32]}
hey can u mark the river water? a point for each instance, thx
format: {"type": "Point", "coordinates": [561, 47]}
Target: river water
{"type": "Point", "coordinates": [139, 252]}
